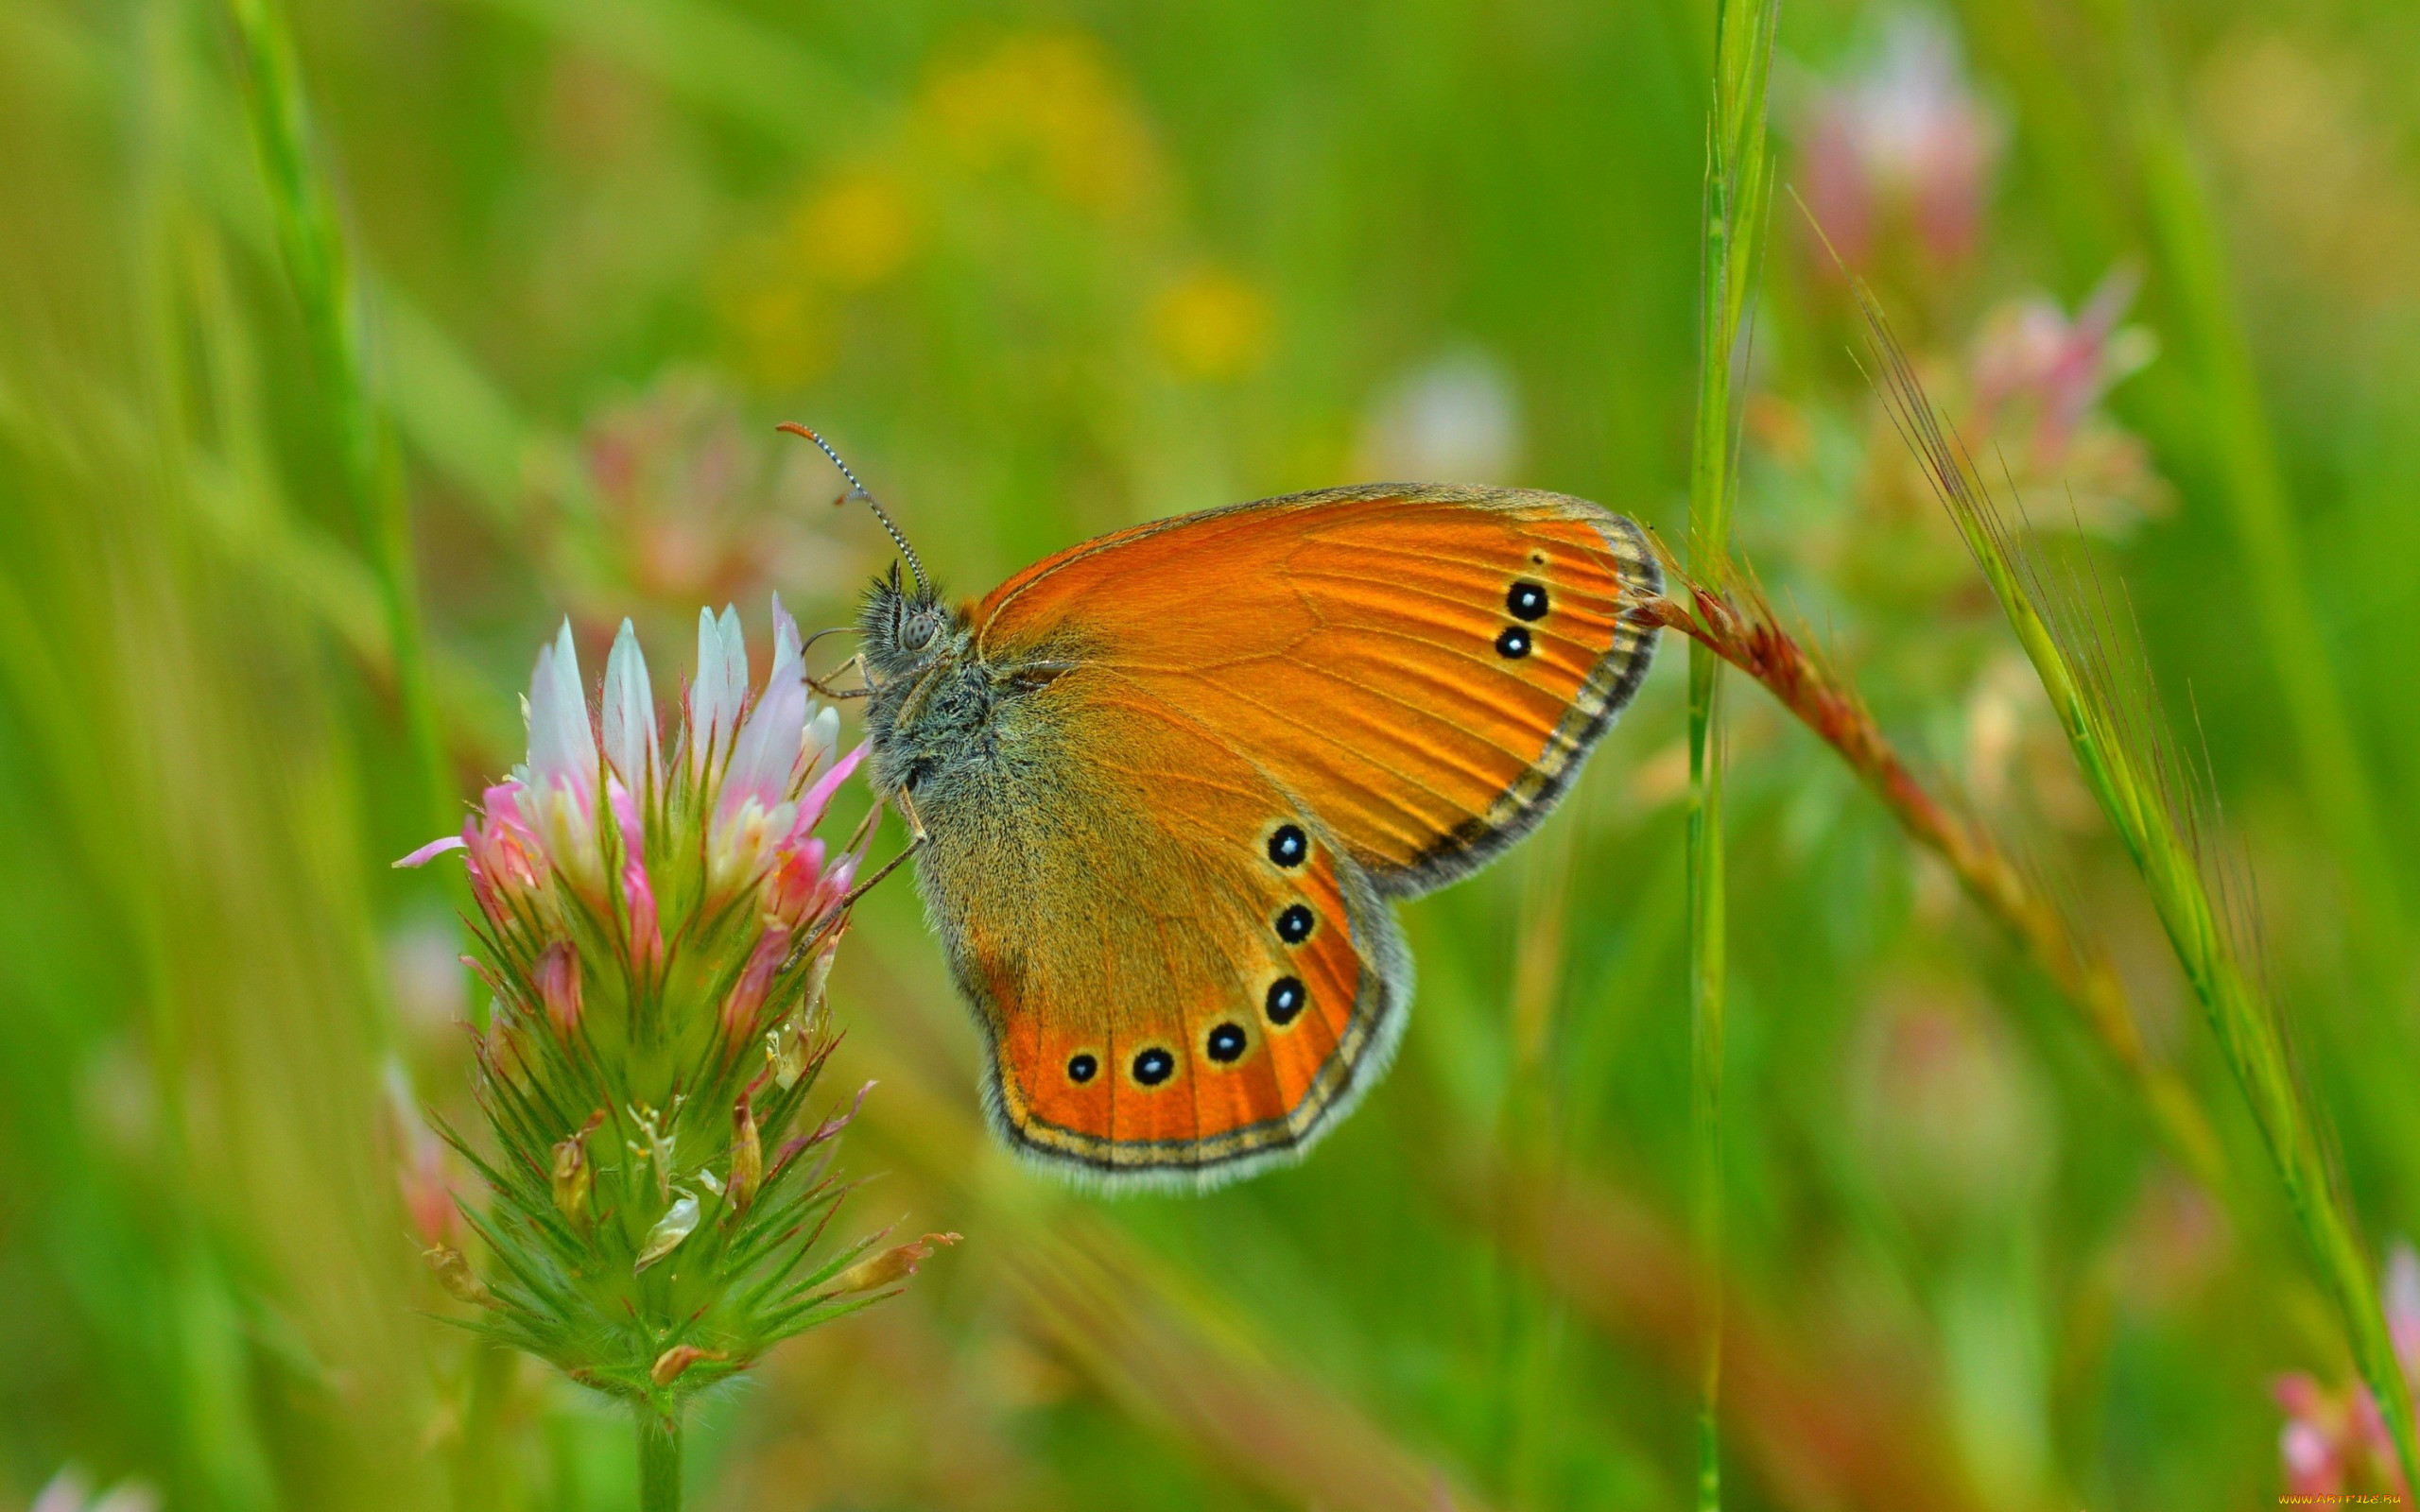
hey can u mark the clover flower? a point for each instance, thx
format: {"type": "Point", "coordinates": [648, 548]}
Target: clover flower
{"type": "Point", "coordinates": [656, 926]}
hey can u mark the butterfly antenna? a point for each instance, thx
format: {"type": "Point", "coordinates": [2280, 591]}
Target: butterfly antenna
{"type": "Point", "coordinates": [858, 490]}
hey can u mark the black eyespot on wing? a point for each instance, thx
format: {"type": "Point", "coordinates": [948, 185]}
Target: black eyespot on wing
{"type": "Point", "coordinates": [1082, 1066]}
{"type": "Point", "coordinates": [1513, 644]}
{"type": "Point", "coordinates": [1294, 924]}
{"type": "Point", "coordinates": [1286, 999]}
{"type": "Point", "coordinates": [1527, 600]}
{"type": "Point", "coordinates": [1288, 846]}
{"type": "Point", "coordinates": [1225, 1043]}
{"type": "Point", "coordinates": [1154, 1066]}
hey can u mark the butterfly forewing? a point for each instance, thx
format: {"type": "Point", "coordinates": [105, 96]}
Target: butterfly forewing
{"type": "Point", "coordinates": [1423, 667]}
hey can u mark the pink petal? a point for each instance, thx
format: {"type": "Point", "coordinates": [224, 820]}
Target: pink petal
{"type": "Point", "coordinates": [2313, 1467]}
{"type": "Point", "coordinates": [432, 851]}
{"type": "Point", "coordinates": [2298, 1394]}
{"type": "Point", "coordinates": [756, 980]}
{"type": "Point", "coordinates": [558, 987]}
{"type": "Point", "coordinates": [812, 803]}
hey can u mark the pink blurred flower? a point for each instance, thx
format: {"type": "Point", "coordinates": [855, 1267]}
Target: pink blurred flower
{"type": "Point", "coordinates": [2031, 354]}
{"type": "Point", "coordinates": [420, 1163]}
{"type": "Point", "coordinates": [1905, 136]}
{"type": "Point", "coordinates": [673, 498]}
{"type": "Point", "coordinates": [2336, 1441]}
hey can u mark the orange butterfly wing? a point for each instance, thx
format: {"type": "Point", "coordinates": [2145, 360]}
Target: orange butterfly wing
{"type": "Point", "coordinates": [1222, 739]}
{"type": "Point", "coordinates": [1426, 666]}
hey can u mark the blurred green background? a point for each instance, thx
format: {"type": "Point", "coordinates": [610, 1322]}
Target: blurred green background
{"type": "Point", "coordinates": [1041, 270]}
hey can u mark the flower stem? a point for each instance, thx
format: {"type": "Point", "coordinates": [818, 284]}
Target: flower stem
{"type": "Point", "coordinates": [659, 1462]}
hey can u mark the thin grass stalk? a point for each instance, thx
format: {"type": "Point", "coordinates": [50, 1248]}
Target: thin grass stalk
{"type": "Point", "coordinates": [1738, 185]}
{"type": "Point", "coordinates": [328, 293]}
{"type": "Point", "coordinates": [2160, 803]}
{"type": "Point", "coordinates": [1741, 628]}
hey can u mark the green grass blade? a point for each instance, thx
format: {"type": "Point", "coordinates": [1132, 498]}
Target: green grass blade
{"type": "Point", "coordinates": [328, 294]}
{"type": "Point", "coordinates": [1737, 190]}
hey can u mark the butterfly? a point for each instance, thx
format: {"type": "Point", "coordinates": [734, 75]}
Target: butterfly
{"type": "Point", "coordinates": [1164, 785]}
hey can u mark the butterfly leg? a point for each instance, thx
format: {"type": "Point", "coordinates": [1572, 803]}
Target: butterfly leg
{"type": "Point", "coordinates": [821, 685]}
{"type": "Point", "coordinates": [916, 838]}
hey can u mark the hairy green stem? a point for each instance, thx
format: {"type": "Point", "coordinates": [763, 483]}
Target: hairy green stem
{"type": "Point", "coordinates": [659, 1462]}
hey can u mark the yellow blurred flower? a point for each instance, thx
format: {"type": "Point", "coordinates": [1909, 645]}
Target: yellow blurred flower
{"type": "Point", "coordinates": [1054, 103]}
{"type": "Point", "coordinates": [856, 231]}
{"type": "Point", "coordinates": [1211, 325]}
{"type": "Point", "coordinates": [785, 331]}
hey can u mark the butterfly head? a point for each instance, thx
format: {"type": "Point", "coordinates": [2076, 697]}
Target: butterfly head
{"type": "Point", "coordinates": [903, 629]}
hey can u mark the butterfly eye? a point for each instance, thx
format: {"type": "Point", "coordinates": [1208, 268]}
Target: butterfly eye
{"type": "Point", "coordinates": [917, 633]}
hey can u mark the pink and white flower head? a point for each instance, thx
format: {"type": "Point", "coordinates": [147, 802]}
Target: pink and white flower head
{"type": "Point", "coordinates": [657, 920]}
{"type": "Point", "coordinates": [599, 855]}
{"type": "Point", "coordinates": [2032, 355]}
{"type": "Point", "coordinates": [1902, 139]}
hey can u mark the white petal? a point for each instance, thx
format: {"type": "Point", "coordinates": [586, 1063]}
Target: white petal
{"type": "Point", "coordinates": [630, 713]}
{"type": "Point", "coordinates": [66, 1492]}
{"type": "Point", "coordinates": [2402, 1285]}
{"type": "Point", "coordinates": [563, 747]}
{"type": "Point", "coordinates": [721, 686]}
{"type": "Point", "coordinates": [823, 739]}
{"type": "Point", "coordinates": [735, 658]}
{"type": "Point", "coordinates": [786, 642]}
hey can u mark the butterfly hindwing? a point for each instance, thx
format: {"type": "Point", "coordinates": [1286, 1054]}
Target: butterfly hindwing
{"type": "Point", "coordinates": [1179, 973]}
